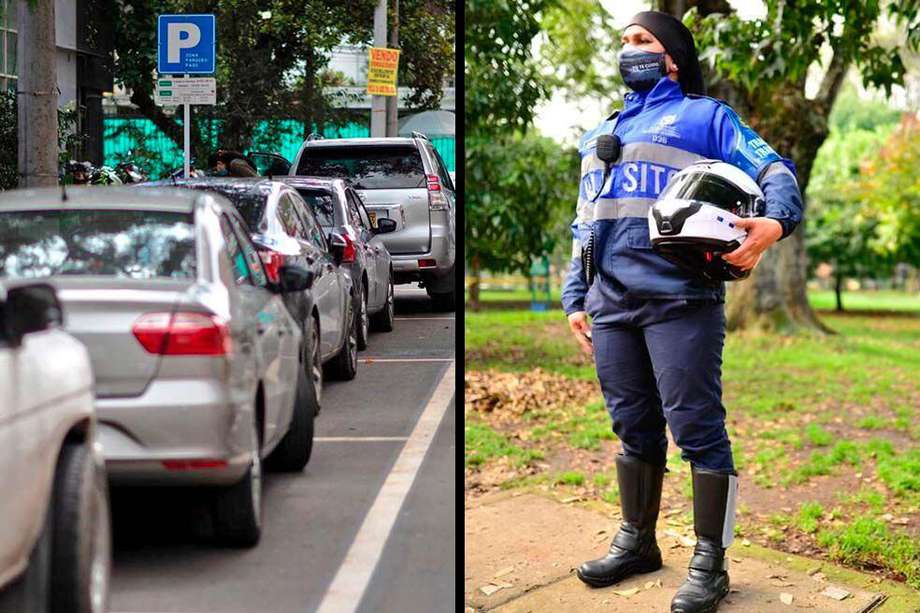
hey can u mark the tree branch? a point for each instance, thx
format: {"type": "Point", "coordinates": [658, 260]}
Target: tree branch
{"type": "Point", "coordinates": [830, 84]}
{"type": "Point", "coordinates": [151, 111]}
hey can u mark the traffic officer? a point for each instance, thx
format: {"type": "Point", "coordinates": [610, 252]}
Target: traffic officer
{"type": "Point", "coordinates": [657, 332]}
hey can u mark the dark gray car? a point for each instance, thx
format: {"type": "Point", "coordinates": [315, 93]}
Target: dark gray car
{"type": "Point", "coordinates": [338, 208]}
{"type": "Point", "coordinates": [201, 371]}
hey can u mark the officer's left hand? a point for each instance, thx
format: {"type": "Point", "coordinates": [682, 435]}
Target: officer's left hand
{"type": "Point", "coordinates": [761, 233]}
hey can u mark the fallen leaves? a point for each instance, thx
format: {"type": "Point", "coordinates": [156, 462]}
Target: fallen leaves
{"type": "Point", "coordinates": [507, 396]}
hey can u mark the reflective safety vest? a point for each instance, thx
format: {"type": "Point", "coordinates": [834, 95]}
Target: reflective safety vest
{"type": "Point", "coordinates": [662, 131]}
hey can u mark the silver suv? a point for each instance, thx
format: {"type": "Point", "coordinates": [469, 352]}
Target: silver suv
{"type": "Point", "coordinates": [403, 179]}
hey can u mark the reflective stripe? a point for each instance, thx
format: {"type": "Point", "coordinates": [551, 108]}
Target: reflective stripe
{"type": "Point", "coordinates": [728, 527]}
{"type": "Point", "coordinates": [776, 168]}
{"type": "Point", "coordinates": [617, 208]}
{"type": "Point", "coordinates": [576, 248]}
{"type": "Point", "coordinates": [659, 154]}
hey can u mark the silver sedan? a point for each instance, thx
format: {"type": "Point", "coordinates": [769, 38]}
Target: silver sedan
{"type": "Point", "coordinates": [200, 368]}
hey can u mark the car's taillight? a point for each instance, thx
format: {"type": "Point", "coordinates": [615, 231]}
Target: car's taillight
{"type": "Point", "coordinates": [194, 464]}
{"type": "Point", "coordinates": [427, 263]}
{"type": "Point", "coordinates": [437, 201]}
{"type": "Point", "coordinates": [182, 334]}
{"type": "Point", "coordinates": [272, 261]}
{"type": "Point", "coordinates": [349, 252]}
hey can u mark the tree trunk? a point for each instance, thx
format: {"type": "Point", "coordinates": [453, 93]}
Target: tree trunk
{"type": "Point", "coordinates": [307, 95]}
{"type": "Point", "coordinates": [38, 94]}
{"type": "Point", "coordinates": [838, 291]}
{"type": "Point", "coordinates": [775, 297]}
{"type": "Point", "coordinates": [474, 284]}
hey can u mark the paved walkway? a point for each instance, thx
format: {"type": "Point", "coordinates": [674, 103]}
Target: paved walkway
{"type": "Point", "coordinates": [521, 550]}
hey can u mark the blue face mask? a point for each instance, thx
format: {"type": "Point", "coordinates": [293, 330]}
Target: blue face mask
{"type": "Point", "coordinates": [221, 173]}
{"type": "Point", "coordinates": [641, 70]}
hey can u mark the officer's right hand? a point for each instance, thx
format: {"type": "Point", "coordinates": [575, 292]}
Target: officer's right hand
{"type": "Point", "coordinates": [578, 324]}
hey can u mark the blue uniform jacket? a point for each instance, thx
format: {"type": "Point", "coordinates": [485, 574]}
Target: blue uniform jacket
{"type": "Point", "coordinates": [662, 132]}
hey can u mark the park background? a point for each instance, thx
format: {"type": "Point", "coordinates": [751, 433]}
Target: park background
{"type": "Point", "coordinates": [822, 360]}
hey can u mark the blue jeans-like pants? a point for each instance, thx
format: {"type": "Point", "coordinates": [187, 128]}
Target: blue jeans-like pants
{"type": "Point", "coordinates": [660, 362]}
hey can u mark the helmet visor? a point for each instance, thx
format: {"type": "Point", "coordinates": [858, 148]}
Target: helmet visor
{"type": "Point", "coordinates": [711, 189]}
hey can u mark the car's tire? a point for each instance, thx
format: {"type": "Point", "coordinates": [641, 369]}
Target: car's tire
{"type": "Point", "coordinates": [314, 369]}
{"type": "Point", "coordinates": [344, 366]}
{"type": "Point", "coordinates": [237, 510]}
{"type": "Point", "coordinates": [81, 557]}
{"type": "Point", "coordinates": [293, 452]}
{"type": "Point", "coordinates": [363, 319]}
{"type": "Point", "coordinates": [382, 321]}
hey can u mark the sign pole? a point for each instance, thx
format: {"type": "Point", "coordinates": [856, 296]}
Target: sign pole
{"type": "Point", "coordinates": [186, 129]}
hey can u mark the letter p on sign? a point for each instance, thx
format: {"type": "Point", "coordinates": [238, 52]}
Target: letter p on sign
{"type": "Point", "coordinates": [180, 36]}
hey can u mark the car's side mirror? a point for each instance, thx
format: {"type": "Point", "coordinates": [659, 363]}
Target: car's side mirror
{"type": "Point", "coordinates": [337, 244]}
{"type": "Point", "coordinates": [295, 279]}
{"type": "Point", "coordinates": [385, 225]}
{"type": "Point", "coordinates": [30, 308]}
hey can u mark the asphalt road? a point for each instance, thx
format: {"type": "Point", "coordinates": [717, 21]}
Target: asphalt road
{"type": "Point", "coordinates": [164, 562]}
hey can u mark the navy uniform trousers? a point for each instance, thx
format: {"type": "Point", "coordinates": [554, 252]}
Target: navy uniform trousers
{"type": "Point", "coordinates": [659, 363]}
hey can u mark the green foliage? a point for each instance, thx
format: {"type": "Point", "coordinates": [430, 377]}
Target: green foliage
{"type": "Point", "coordinates": [517, 190]}
{"type": "Point", "coordinates": [901, 473]}
{"type": "Point", "coordinates": [853, 114]}
{"type": "Point", "coordinates": [783, 45]}
{"type": "Point", "coordinates": [503, 83]}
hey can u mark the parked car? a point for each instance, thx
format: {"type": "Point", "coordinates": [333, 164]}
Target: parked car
{"type": "Point", "coordinates": [403, 179]}
{"type": "Point", "coordinates": [338, 208]}
{"type": "Point", "coordinates": [200, 370]}
{"type": "Point", "coordinates": [55, 545]}
{"type": "Point", "coordinates": [285, 232]}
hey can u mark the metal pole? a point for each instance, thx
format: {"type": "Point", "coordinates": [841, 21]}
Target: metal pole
{"type": "Point", "coordinates": [186, 129]}
{"type": "Point", "coordinates": [378, 103]}
{"type": "Point", "coordinates": [393, 101]}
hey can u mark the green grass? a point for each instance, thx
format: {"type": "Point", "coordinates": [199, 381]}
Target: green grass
{"type": "Point", "coordinates": [570, 478]}
{"type": "Point", "coordinates": [483, 444]}
{"type": "Point", "coordinates": [818, 436]}
{"type": "Point", "coordinates": [809, 515]}
{"type": "Point", "coordinates": [871, 422]}
{"type": "Point", "coordinates": [881, 300]}
{"type": "Point", "coordinates": [869, 542]}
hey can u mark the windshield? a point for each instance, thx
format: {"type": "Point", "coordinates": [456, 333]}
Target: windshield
{"type": "Point", "coordinates": [131, 244]}
{"type": "Point", "coordinates": [369, 167]}
{"type": "Point", "coordinates": [248, 200]}
{"type": "Point", "coordinates": [322, 204]}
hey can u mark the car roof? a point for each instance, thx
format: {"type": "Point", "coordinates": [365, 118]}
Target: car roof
{"type": "Point", "coordinates": [315, 182]}
{"type": "Point", "coordinates": [351, 142]}
{"type": "Point", "coordinates": [99, 197]}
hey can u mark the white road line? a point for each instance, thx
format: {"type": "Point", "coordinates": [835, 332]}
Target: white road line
{"type": "Point", "coordinates": [421, 318]}
{"type": "Point", "coordinates": [351, 580]}
{"type": "Point", "coordinates": [357, 439]}
{"type": "Point", "coordinates": [373, 360]}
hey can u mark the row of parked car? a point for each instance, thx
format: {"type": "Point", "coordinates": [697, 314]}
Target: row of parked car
{"type": "Point", "coordinates": [179, 333]}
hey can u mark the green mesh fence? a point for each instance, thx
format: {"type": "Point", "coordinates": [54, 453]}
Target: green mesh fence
{"type": "Point", "coordinates": [140, 141]}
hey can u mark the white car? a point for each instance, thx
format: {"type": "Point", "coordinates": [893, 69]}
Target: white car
{"type": "Point", "coordinates": [55, 534]}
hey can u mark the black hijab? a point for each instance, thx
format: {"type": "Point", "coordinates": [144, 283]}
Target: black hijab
{"type": "Point", "coordinates": [678, 42]}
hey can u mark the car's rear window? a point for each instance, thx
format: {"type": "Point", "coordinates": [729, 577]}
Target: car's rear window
{"type": "Point", "coordinates": [131, 244]}
{"type": "Point", "coordinates": [249, 201]}
{"type": "Point", "coordinates": [369, 167]}
{"type": "Point", "coordinates": [322, 204]}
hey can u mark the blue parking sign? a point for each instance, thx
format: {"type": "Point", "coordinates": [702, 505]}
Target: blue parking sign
{"type": "Point", "coordinates": [186, 44]}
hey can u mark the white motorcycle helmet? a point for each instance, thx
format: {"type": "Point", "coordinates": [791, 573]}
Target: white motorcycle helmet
{"type": "Point", "coordinates": [693, 221]}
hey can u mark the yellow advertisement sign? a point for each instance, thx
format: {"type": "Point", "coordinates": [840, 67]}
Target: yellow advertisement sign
{"type": "Point", "coordinates": [381, 71]}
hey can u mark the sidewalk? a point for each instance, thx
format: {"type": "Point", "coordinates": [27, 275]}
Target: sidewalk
{"type": "Point", "coordinates": [521, 550]}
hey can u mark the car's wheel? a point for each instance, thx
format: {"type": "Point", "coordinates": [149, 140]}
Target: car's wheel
{"type": "Point", "coordinates": [293, 452]}
{"type": "Point", "coordinates": [237, 510]}
{"type": "Point", "coordinates": [363, 320]}
{"type": "Point", "coordinates": [315, 366]}
{"type": "Point", "coordinates": [344, 365]}
{"type": "Point", "coordinates": [382, 321]}
{"type": "Point", "coordinates": [81, 556]}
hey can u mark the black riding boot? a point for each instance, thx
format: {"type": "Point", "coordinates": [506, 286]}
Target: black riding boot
{"type": "Point", "coordinates": [714, 497]}
{"type": "Point", "coordinates": [633, 549]}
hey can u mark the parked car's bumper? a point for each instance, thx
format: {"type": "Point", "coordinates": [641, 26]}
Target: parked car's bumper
{"type": "Point", "coordinates": [162, 436]}
{"type": "Point", "coordinates": [406, 267]}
